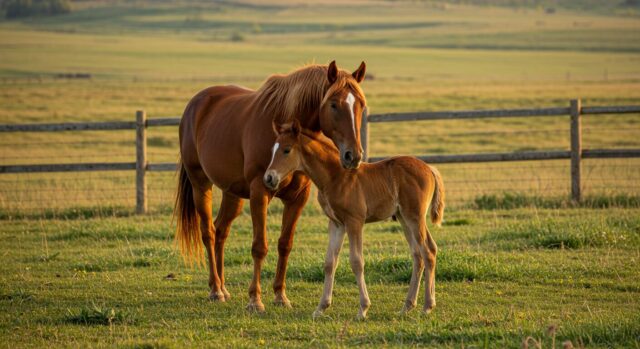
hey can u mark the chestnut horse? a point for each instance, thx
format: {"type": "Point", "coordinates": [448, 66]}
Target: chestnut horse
{"type": "Point", "coordinates": [226, 139]}
{"type": "Point", "coordinates": [402, 187]}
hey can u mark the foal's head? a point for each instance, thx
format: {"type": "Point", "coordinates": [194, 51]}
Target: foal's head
{"type": "Point", "coordinates": [285, 156]}
{"type": "Point", "coordinates": [341, 113]}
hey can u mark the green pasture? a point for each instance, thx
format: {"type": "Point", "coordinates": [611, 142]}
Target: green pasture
{"type": "Point", "coordinates": [516, 256]}
{"type": "Point", "coordinates": [502, 276]}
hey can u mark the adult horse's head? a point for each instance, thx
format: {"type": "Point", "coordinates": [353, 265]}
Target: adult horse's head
{"type": "Point", "coordinates": [341, 113]}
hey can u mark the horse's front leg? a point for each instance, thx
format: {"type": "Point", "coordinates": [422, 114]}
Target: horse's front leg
{"type": "Point", "coordinates": [336, 239]}
{"type": "Point", "coordinates": [259, 200]}
{"type": "Point", "coordinates": [293, 205]}
{"type": "Point", "coordinates": [356, 258]}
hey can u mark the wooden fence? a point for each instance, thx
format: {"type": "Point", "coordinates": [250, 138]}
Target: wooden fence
{"type": "Point", "coordinates": [142, 166]}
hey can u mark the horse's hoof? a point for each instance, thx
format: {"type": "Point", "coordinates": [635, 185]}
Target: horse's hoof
{"type": "Point", "coordinates": [361, 316]}
{"type": "Point", "coordinates": [255, 307]}
{"type": "Point", "coordinates": [282, 302]}
{"type": "Point", "coordinates": [217, 296]}
{"type": "Point", "coordinates": [226, 293]}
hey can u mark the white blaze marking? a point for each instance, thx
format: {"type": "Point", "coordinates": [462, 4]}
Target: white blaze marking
{"type": "Point", "coordinates": [351, 100]}
{"type": "Point", "coordinates": [273, 153]}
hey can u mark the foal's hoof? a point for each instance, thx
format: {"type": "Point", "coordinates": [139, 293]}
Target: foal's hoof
{"type": "Point", "coordinates": [217, 296]}
{"type": "Point", "coordinates": [282, 301]}
{"type": "Point", "coordinates": [361, 316]}
{"type": "Point", "coordinates": [407, 308]}
{"type": "Point", "coordinates": [317, 314]}
{"type": "Point", "coordinates": [255, 307]}
{"type": "Point", "coordinates": [428, 310]}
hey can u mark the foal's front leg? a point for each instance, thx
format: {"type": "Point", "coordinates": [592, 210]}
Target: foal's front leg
{"type": "Point", "coordinates": [357, 266]}
{"type": "Point", "coordinates": [336, 239]}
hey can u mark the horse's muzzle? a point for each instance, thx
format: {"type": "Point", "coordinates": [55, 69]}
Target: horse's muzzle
{"type": "Point", "coordinates": [350, 159]}
{"type": "Point", "coordinates": [271, 180]}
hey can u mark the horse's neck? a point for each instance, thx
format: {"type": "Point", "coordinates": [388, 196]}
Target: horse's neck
{"type": "Point", "coordinates": [319, 164]}
{"type": "Point", "coordinates": [310, 120]}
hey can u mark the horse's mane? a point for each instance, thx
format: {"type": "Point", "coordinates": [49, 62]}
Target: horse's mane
{"type": "Point", "coordinates": [301, 93]}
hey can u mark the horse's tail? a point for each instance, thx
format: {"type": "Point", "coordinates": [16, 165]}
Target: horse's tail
{"type": "Point", "coordinates": [437, 200]}
{"type": "Point", "coordinates": [186, 216]}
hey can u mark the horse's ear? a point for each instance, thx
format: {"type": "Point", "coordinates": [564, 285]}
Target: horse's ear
{"type": "Point", "coordinates": [332, 72]}
{"type": "Point", "coordinates": [359, 73]}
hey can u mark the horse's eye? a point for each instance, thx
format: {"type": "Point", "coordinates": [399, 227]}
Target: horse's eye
{"type": "Point", "coordinates": [287, 151]}
{"type": "Point", "coordinates": [334, 106]}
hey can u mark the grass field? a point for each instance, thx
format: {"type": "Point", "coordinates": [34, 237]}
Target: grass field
{"type": "Point", "coordinates": [515, 256]}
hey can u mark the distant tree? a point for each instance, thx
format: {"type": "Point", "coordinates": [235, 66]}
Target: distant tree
{"type": "Point", "coordinates": [26, 8]}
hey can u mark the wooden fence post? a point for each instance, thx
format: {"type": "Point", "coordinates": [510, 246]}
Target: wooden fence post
{"type": "Point", "coordinates": [576, 149]}
{"type": "Point", "coordinates": [141, 162]}
{"type": "Point", "coordinates": [364, 135]}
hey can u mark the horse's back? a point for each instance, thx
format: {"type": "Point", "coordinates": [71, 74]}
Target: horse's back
{"type": "Point", "coordinates": [210, 134]}
{"type": "Point", "coordinates": [205, 102]}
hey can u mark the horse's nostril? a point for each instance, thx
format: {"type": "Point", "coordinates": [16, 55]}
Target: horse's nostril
{"type": "Point", "coordinates": [348, 156]}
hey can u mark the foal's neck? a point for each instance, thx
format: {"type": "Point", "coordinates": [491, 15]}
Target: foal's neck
{"type": "Point", "coordinates": [321, 161]}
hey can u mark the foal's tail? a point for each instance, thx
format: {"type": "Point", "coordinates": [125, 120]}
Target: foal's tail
{"type": "Point", "coordinates": [186, 216]}
{"type": "Point", "coordinates": [437, 201]}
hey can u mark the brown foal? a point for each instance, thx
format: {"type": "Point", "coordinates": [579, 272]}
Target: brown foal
{"type": "Point", "coordinates": [401, 186]}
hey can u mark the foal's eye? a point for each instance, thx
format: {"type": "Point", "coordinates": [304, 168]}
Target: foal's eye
{"type": "Point", "coordinates": [334, 105]}
{"type": "Point", "coordinates": [287, 151]}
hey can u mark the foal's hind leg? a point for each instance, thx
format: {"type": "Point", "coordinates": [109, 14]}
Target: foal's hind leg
{"type": "Point", "coordinates": [230, 208]}
{"type": "Point", "coordinates": [292, 209]}
{"type": "Point", "coordinates": [431, 250]}
{"type": "Point", "coordinates": [428, 250]}
{"type": "Point", "coordinates": [418, 264]}
{"type": "Point", "coordinates": [202, 200]}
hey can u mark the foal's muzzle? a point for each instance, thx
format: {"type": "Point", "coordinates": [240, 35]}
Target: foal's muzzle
{"type": "Point", "coordinates": [271, 180]}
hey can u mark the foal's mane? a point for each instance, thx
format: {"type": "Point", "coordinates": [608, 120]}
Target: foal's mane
{"type": "Point", "coordinates": [324, 142]}
{"type": "Point", "coordinates": [301, 93]}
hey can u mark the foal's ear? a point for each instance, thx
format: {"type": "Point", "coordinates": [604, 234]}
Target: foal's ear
{"type": "Point", "coordinates": [292, 127]}
{"type": "Point", "coordinates": [359, 73]}
{"type": "Point", "coordinates": [332, 72]}
{"type": "Point", "coordinates": [295, 127]}
{"type": "Point", "coordinates": [276, 128]}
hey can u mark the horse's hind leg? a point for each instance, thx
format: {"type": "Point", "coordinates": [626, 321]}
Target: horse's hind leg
{"type": "Point", "coordinates": [259, 201]}
{"type": "Point", "coordinates": [230, 208]}
{"type": "Point", "coordinates": [202, 200]}
{"type": "Point", "coordinates": [292, 209]}
{"type": "Point", "coordinates": [418, 263]}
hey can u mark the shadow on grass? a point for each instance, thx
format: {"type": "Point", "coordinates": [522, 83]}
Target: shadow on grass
{"type": "Point", "coordinates": [451, 266]}
{"type": "Point", "coordinates": [99, 315]}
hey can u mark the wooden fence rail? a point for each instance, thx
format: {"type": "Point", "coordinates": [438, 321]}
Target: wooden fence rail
{"type": "Point", "coordinates": [142, 166]}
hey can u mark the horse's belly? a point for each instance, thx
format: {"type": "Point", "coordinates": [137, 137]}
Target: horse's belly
{"type": "Point", "coordinates": [224, 171]}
